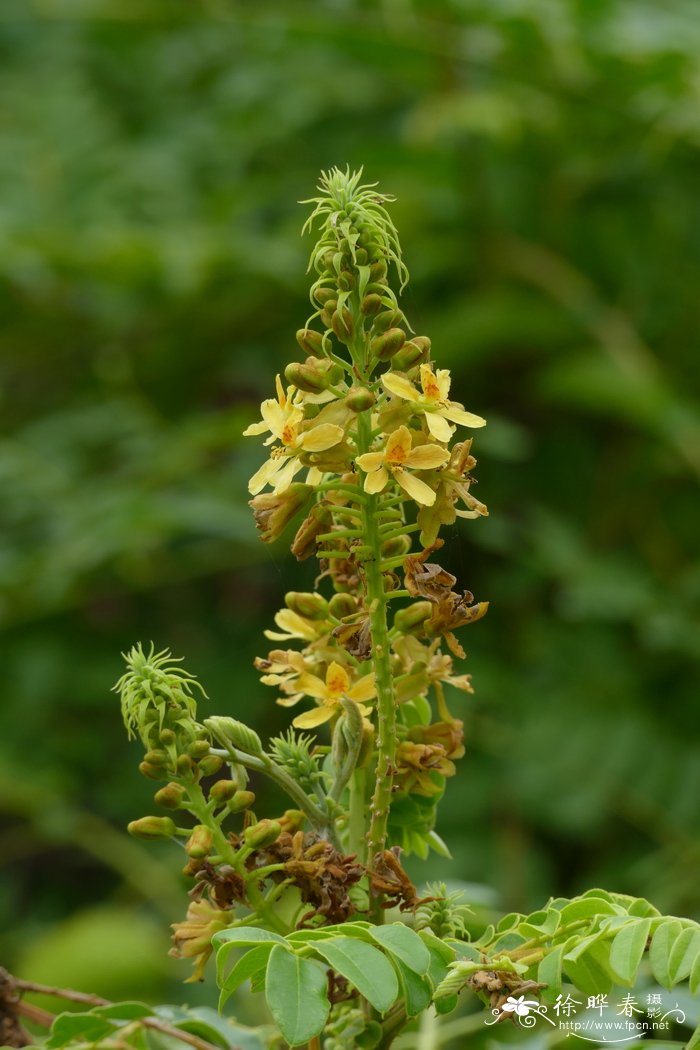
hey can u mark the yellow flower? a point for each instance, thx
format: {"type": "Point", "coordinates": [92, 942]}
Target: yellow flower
{"type": "Point", "coordinates": [433, 400]}
{"type": "Point", "coordinates": [283, 417]}
{"type": "Point", "coordinates": [336, 686]}
{"type": "Point", "coordinates": [395, 458]}
{"type": "Point", "coordinates": [292, 625]}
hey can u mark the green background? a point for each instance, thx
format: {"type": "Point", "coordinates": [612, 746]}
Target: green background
{"type": "Point", "coordinates": [545, 160]}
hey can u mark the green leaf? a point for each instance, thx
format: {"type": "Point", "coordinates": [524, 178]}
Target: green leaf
{"type": "Point", "coordinates": [666, 935]}
{"type": "Point", "coordinates": [248, 965]}
{"type": "Point", "coordinates": [683, 954]}
{"type": "Point", "coordinates": [589, 970]}
{"type": "Point", "coordinates": [129, 1011]}
{"type": "Point", "coordinates": [694, 1042]}
{"type": "Point", "coordinates": [365, 967]}
{"type": "Point", "coordinates": [446, 1005]}
{"type": "Point", "coordinates": [227, 940]}
{"type": "Point", "coordinates": [627, 950]}
{"type": "Point", "coordinates": [295, 990]}
{"type": "Point", "coordinates": [404, 944]}
{"type": "Point", "coordinates": [81, 1027]}
{"type": "Point", "coordinates": [694, 979]}
{"type": "Point", "coordinates": [549, 970]}
{"type": "Point", "coordinates": [588, 908]}
{"type": "Point", "coordinates": [417, 991]}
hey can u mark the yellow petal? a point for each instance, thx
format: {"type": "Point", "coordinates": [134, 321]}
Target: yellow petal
{"type": "Point", "coordinates": [274, 416]}
{"type": "Point", "coordinates": [370, 461]}
{"type": "Point", "coordinates": [289, 701]}
{"type": "Point", "coordinates": [312, 685]}
{"type": "Point", "coordinates": [315, 717]}
{"type": "Point", "coordinates": [427, 457]}
{"type": "Point", "coordinates": [261, 477]}
{"type": "Point", "coordinates": [256, 428]}
{"type": "Point", "coordinates": [398, 446]}
{"type": "Point", "coordinates": [285, 473]}
{"type": "Point", "coordinates": [457, 414]}
{"type": "Point", "coordinates": [376, 481]}
{"type": "Point", "coordinates": [438, 426]}
{"type": "Point", "coordinates": [417, 489]}
{"type": "Point", "coordinates": [318, 439]}
{"type": "Point", "coordinates": [444, 381]}
{"type": "Point", "coordinates": [287, 620]}
{"type": "Point", "coordinates": [364, 689]}
{"type": "Point", "coordinates": [400, 386]}
{"type": "Point", "coordinates": [337, 681]}
{"type": "Point", "coordinates": [429, 383]}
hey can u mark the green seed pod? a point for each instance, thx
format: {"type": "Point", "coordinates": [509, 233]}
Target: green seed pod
{"type": "Point", "coordinates": [397, 547]}
{"type": "Point", "coordinates": [241, 800]}
{"type": "Point", "coordinates": [387, 319]}
{"type": "Point", "coordinates": [359, 398]}
{"type": "Point", "coordinates": [322, 295]}
{"type": "Point", "coordinates": [307, 604]}
{"type": "Point", "coordinates": [222, 791]}
{"type": "Point", "coordinates": [385, 346]}
{"type": "Point", "coordinates": [170, 796]}
{"type": "Point", "coordinates": [198, 748]}
{"type": "Point", "coordinates": [152, 772]}
{"type": "Point", "coordinates": [342, 605]}
{"type": "Point", "coordinates": [151, 828]}
{"type": "Point", "coordinates": [371, 304]}
{"type": "Point", "coordinates": [310, 341]}
{"type": "Point", "coordinates": [229, 731]}
{"type": "Point", "coordinates": [199, 843]}
{"type": "Point", "coordinates": [343, 325]}
{"type": "Point", "coordinates": [210, 764]}
{"type": "Point", "coordinates": [413, 352]}
{"type": "Point", "coordinates": [413, 616]}
{"type": "Point", "coordinates": [264, 833]}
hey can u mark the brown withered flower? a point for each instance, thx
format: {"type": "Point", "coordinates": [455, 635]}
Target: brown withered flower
{"type": "Point", "coordinates": [415, 764]}
{"type": "Point", "coordinates": [449, 735]}
{"type": "Point", "coordinates": [220, 884]}
{"type": "Point", "coordinates": [388, 878]}
{"type": "Point", "coordinates": [192, 938]}
{"type": "Point", "coordinates": [355, 637]}
{"type": "Point", "coordinates": [317, 521]}
{"type": "Point", "coordinates": [273, 511]}
{"type": "Point", "coordinates": [451, 610]}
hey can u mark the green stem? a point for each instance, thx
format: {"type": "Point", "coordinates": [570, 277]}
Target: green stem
{"type": "Point", "coordinates": [199, 808]}
{"type": "Point", "coordinates": [357, 834]}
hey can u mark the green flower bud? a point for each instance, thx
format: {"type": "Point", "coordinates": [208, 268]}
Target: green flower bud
{"type": "Point", "coordinates": [361, 257]}
{"type": "Point", "coordinates": [241, 800]}
{"type": "Point", "coordinates": [313, 376]}
{"type": "Point", "coordinates": [156, 758]}
{"type": "Point", "coordinates": [210, 764]}
{"type": "Point", "coordinates": [342, 605]}
{"type": "Point", "coordinates": [397, 547]}
{"type": "Point", "coordinates": [198, 748]}
{"type": "Point", "coordinates": [413, 352]}
{"type": "Point", "coordinates": [311, 342]}
{"type": "Point", "coordinates": [378, 270]}
{"type": "Point", "coordinates": [307, 604]}
{"type": "Point", "coordinates": [184, 765]}
{"type": "Point", "coordinates": [222, 791]}
{"type": "Point", "coordinates": [264, 833]}
{"type": "Point", "coordinates": [229, 731]}
{"type": "Point", "coordinates": [151, 828]}
{"type": "Point", "coordinates": [385, 346]}
{"type": "Point", "coordinates": [167, 737]}
{"type": "Point", "coordinates": [328, 311]}
{"type": "Point", "coordinates": [359, 398]}
{"type": "Point", "coordinates": [387, 319]}
{"type": "Point", "coordinates": [152, 772]}
{"type": "Point", "coordinates": [413, 616]}
{"type": "Point", "coordinates": [170, 796]}
{"type": "Point", "coordinates": [371, 304]}
{"type": "Point", "coordinates": [321, 295]}
{"type": "Point", "coordinates": [346, 281]}
{"type": "Point", "coordinates": [199, 843]}
{"type": "Point", "coordinates": [343, 325]}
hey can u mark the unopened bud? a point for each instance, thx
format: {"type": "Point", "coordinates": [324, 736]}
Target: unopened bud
{"type": "Point", "coordinates": [387, 319]}
{"type": "Point", "coordinates": [342, 605]}
{"type": "Point", "coordinates": [210, 764]}
{"type": "Point", "coordinates": [292, 820]}
{"type": "Point", "coordinates": [156, 758]}
{"type": "Point", "coordinates": [313, 376]}
{"type": "Point", "coordinates": [198, 748]}
{"type": "Point", "coordinates": [359, 398]}
{"type": "Point", "coordinates": [378, 270]}
{"type": "Point", "coordinates": [229, 731]}
{"type": "Point", "coordinates": [199, 843]}
{"type": "Point", "coordinates": [343, 325]}
{"type": "Point", "coordinates": [241, 800]}
{"type": "Point", "coordinates": [184, 764]}
{"type": "Point", "coordinates": [222, 791]}
{"type": "Point", "coordinates": [412, 353]}
{"type": "Point", "coordinates": [321, 295]}
{"type": "Point", "coordinates": [397, 547]}
{"type": "Point", "coordinates": [152, 772]}
{"type": "Point", "coordinates": [309, 605]}
{"type": "Point", "coordinates": [310, 341]}
{"type": "Point", "coordinates": [361, 257]}
{"type": "Point", "coordinates": [413, 616]}
{"type": "Point", "coordinates": [264, 833]}
{"type": "Point", "coordinates": [346, 281]}
{"type": "Point", "coordinates": [328, 311]}
{"type": "Point", "coordinates": [151, 828]}
{"type": "Point", "coordinates": [170, 796]}
{"type": "Point", "coordinates": [371, 304]}
{"type": "Point", "coordinates": [318, 520]}
{"type": "Point", "coordinates": [385, 346]}
{"type": "Point", "coordinates": [167, 737]}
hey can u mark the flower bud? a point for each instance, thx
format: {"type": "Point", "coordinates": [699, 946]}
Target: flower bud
{"type": "Point", "coordinates": [371, 304]}
{"type": "Point", "coordinates": [346, 281]}
{"type": "Point", "coordinates": [156, 757]}
{"type": "Point", "coordinates": [198, 748]}
{"type": "Point", "coordinates": [397, 547]}
{"type": "Point", "coordinates": [222, 791]}
{"type": "Point", "coordinates": [359, 398]}
{"type": "Point", "coordinates": [378, 270]}
{"type": "Point", "coordinates": [292, 820]}
{"type": "Point", "coordinates": [342, 605]}
{"type": "Point", "coordinates": [184, 765]}
{"type": "Point", "coordinates": [313, 376]}
{"type": "Point", "coordinates": [167, 737]}
{"type": "Point", "coordinates": [318, 520]}
{"type": "Point", "coordinates": [413, 616]}
{"type": "Point", "coordinates": [310, 341]}
{"type": "Point", "coordinates": [170, 796]}
{"type": "Point", "coordinates": [361, 257]}
{"type": "Point", "coordinates": [151, 828]}
{"type": "Point", "coordinates": [210, 764]}
{"type": "Point", "coordinates": [321, 295]}
{"type": "Point", "coordinates": [412, 353]}
{"type": "Point", "coordinates": [147, 769]}
{"type": "Point", "coordinates": [385, 346]}
{"type": "Point", "coordinates": [387, 319]}
{"type": "Point", "coordinates": [264, 833]}
{"type": "Point", "coordinates": [309, 605]}
{"type": "Point", "coordinates": [229, 731]}
{"type": "Point", "coordinates": [241, 800]}
{"type": "Point", "coordinates": [343, 325]}
{"type": "Point", "coordinates": [199, 843]}
{"type": "Point", "coordinates": [328, 311]}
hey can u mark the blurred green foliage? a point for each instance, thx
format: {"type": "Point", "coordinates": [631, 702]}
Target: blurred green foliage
{"type": "Point", "coordinates": [544, 154]}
